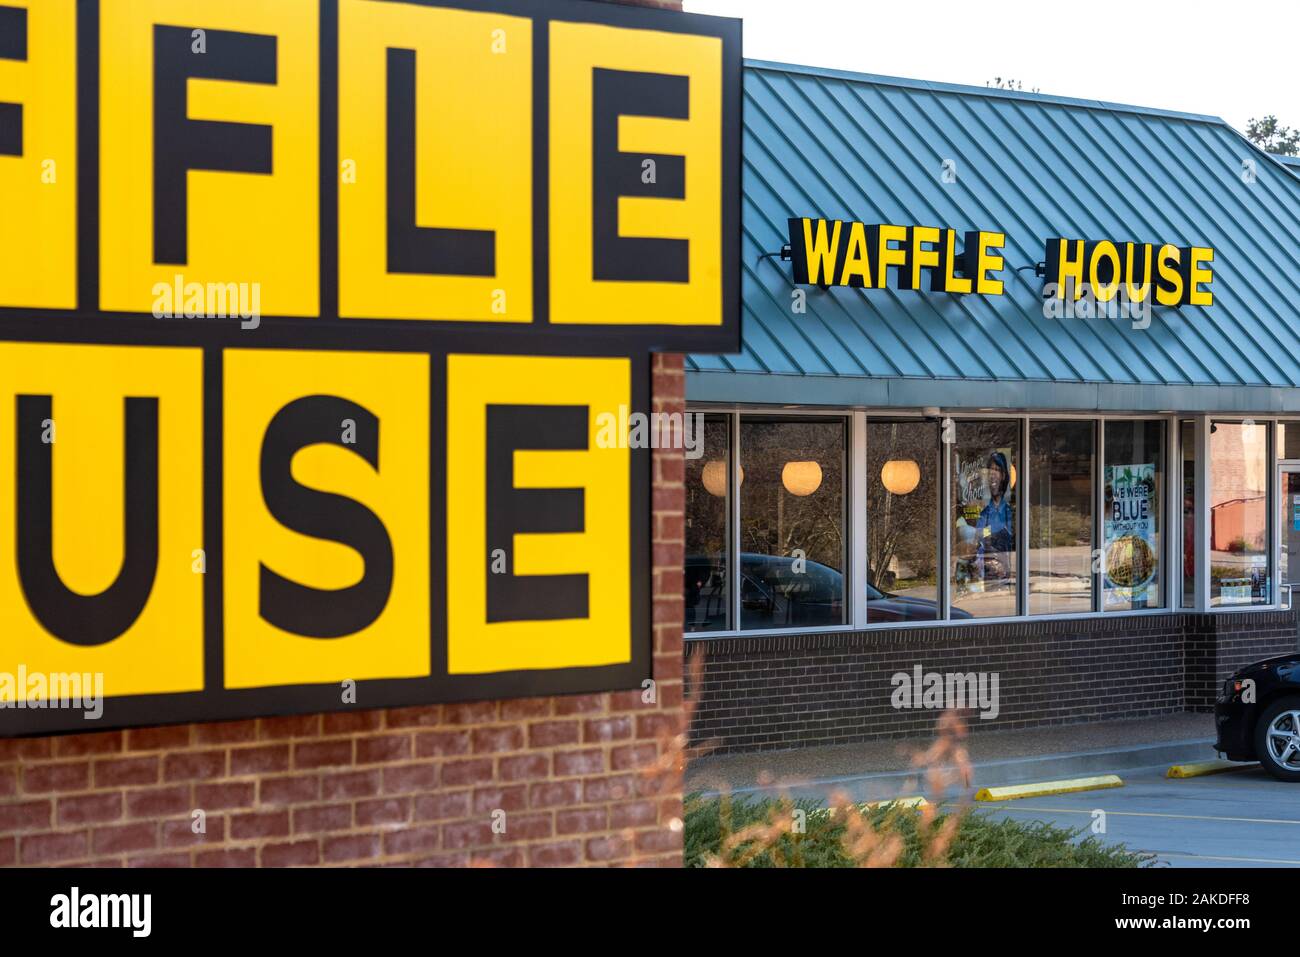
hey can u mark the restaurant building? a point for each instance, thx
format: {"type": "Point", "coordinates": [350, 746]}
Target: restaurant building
{"type": "Point", "coordinates": [1017, 397]}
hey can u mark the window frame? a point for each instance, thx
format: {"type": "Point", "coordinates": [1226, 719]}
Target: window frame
{"type": "Point", "coordinates": [1022, 524]}
{"type": "Point", "coordinates": [1198, 454]}
{"type": "Point", "coordinates": [727, 551]}
{"type": "Point", "coordinates": [851, 561]}
{"type": "Point", "coordinates": [1171, 556]}
{"type": "Point", "coordinates": [942, 549]}
{"type": "Point", "coordinates": [1098, 501]}
{"type": "Point", "coordinates": [1272, 536]}
{"type": "Point", "coordinates": [856, 520]}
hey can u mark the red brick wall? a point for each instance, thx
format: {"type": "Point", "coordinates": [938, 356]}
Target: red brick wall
{"type": "Point", "coordinates": [590, 779]}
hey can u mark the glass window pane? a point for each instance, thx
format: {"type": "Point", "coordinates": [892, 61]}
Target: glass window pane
{"type": "Point", "coordinates": [705, 584]}
{"type": "Point", "coordinates": [792, 522]}
{"type": "Point", "coordinates": [903, 482]}
{"type": "Point", "coordinates": [1288, 440]}
{"type": "Point", "coordinates": [1187, 440]}
{"type": "Point", "coordinates": [985, 461]}
{"type": "Point", "coordinates": [1239, 467]}
{"type": "Point", "coordinates": [1288, 556]}
{"type": "Point", "coordinates": [1132, 546]}
{"type": "Point", "coordinates": [1061, 500]}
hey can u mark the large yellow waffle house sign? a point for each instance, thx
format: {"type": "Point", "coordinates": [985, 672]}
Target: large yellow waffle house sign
{"type": "Point", "coordinates": [308, 312]}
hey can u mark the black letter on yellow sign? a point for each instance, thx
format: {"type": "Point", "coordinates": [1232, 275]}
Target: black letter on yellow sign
{"type": "Point", "coordinates": [301, 609]}
{"type": "Point", "coordinates": [618, 258]}
{"type": "Point", "coordinates": [86, 619]}
{"type": "Point", "coordinates": [531, 511]}
{"type": "Point", "coordinates": [181, 144]}
{"type": "Point", "coordinates": [13, 46]}
{"type": "Point", "coordinates": [422, 249]}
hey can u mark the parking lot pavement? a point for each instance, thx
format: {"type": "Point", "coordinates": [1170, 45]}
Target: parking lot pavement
{"type": "Point", "coordinates": [1237, 819]}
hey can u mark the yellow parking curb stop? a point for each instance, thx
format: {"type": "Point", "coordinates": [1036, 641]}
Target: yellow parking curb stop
{"type": "Point", "coordinates": [1013, 791]}
{"type": "Point", "coordinates": [1198, 768]}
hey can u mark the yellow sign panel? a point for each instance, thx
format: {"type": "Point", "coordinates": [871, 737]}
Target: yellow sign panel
{"type": "Point", "coordinates": [551, 164]}
{"type": "Point", "coordinates": [38, 154]}
{"type": "Point", "coordinates": [530, 485]}
{"type": "Point", "coordinates": [101, 476]}
{"type": "Point", "coordinates": [336, 301]}
{"type": "Point", "coordinates": [348, 538]}
{"type": "Point", "coordinates": [209, 149]}
{"type": "Point", "coordinates": [637, 163]}
{"type": "Point", "coordinates": [326, 488]}
{"type": "Point", "coordinates": [420, 237]}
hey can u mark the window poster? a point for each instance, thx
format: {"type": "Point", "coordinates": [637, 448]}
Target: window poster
{"type": "Point", "coordinates": [985, 524]}
{"type": "Point", "coordinates": [1131, 552]}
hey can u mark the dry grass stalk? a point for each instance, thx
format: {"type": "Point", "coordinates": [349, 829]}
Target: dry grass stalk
{"type": "Point", "coordinates": [869, 839]}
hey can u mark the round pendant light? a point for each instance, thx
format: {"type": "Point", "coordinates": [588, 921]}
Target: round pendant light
{"type": "Point", "coordinates": [801, 478]}
{"type": "Point", "coordinates": [714, 477]}
{"type": "Point", "coordinates": [900, 476]}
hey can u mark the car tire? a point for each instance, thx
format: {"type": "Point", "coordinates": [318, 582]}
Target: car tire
{"type": "Point", "coordinates": [1282, 717]}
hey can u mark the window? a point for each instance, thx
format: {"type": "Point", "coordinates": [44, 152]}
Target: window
{"type": "Point", "coordinates": [903, 482]}
{"type": "Point", "coordinates": [707, 497]}
{"type": "Point", "coordinates": [792, 507]}
{"type": "Point", "coordinates": [985, 460]}
{"type": "Point", "coordinates": [1132, 546]}
{"type": "Point", "coordinates": [1288, 440]}
{"type": "Point", "coordinates": [1239, 476]}
{"type": "Point", "coordinates": [1061, 497]}
{"type": "Point", "coordinates": [1187, 442]}
{"type": "Point", "coordinates": [973, 518]}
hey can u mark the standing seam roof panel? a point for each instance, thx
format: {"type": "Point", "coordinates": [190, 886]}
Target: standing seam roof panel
{"type": "Point", "coordinates": [858, 147]}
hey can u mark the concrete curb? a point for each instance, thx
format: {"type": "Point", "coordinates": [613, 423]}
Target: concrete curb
{"type": "Point", "coordinates": [885, 785]}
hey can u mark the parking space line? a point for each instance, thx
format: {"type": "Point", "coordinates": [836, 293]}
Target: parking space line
{"type": "Point", "coordinates": [1186, 817]}
{"type": "Point", "coordinates": [1214, 857]}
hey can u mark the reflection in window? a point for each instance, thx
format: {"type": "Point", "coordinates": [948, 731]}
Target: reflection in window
{"type": "Point", "coordinates": [1131, 526]}
{"type": "Point", "coordinates": [792, 559]}
{"type": "Point", "coordinates": [902, 521]}
{"type": "Point", "coordinates": [1288, 440]}
{"type": "Point", "coordinates": [1187, 441]}
{"type": "Point", "coordinates": [1060, 517]}
{"type": "Point", "coordinates": [705, 583]}
{"type": "Point", "coordinates": [985, 459]}
{"type": "Point", "coordinates": [1239, 467]}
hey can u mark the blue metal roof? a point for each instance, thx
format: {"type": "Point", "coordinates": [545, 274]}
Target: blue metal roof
{"type": "Point", "coordinates": [1290, 162]}
{"type": "Point", "coordinates": [825, 143]}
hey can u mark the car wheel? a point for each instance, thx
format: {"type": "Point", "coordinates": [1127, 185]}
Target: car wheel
{"type": "Point", "coordinates": [1277, 739]}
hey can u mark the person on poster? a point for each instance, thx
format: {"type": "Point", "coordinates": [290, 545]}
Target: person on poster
{"type": "Point", "coordinates": [995, 530]}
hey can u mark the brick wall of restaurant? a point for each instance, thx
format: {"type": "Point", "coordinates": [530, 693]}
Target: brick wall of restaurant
{"type": "Point", "coordinates": [584, 780]}
{"type": "Point", "coordinates": [799, 690]}
{"type": "Point", "coordinates": [1217, 645]}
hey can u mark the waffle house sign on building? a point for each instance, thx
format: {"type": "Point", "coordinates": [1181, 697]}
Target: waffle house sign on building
{"type": "Point", "coordinates": [308, 313]}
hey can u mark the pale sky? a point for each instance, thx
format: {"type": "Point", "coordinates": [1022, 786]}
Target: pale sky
{"type": "Point", "coordinates": [1235, 59]}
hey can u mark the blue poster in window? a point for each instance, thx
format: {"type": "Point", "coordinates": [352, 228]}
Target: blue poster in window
{"type": "Point", "coordinates": [1131, 553]}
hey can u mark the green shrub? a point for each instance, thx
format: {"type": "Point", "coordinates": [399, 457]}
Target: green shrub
{"type": "Point", "coordinates": [979, 841]}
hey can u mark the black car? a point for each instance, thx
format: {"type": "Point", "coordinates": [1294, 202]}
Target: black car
{"type": "Point", "coordinates": [1257, 716]}
{"type": "Point", "coordinates": [774, 595]}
